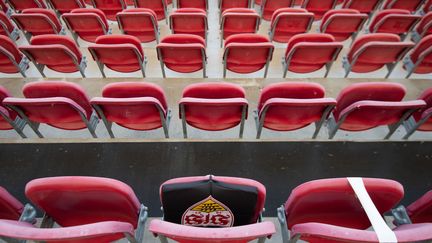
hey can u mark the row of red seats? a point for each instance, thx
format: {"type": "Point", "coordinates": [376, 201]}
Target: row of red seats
{"type": "Point", "coordinates": [214, 209]}
{"type": "Point", "coordinates": [216, 106]}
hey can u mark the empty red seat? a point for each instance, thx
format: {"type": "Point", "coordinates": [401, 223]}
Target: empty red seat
{"type": "Point", "coordinates": [343, 24]}
{"type": "Point", "coordinates": [227, 4]}
{"type": "Point", "coordinates": [287, 22]}
{"type": "Point", "coordinates": [420, 211]}
{"type": "Point", "coordinates": [394, 21]}
{"type": "Point", "coordinates": [421, 119]}
{"type": "Point", "coordinates": [213, 106]}
{"type": "Point", "coordinates": [8, 120]}
{"type": "Point", "coordinates": [212, 209]}
{"type": "Point", "coordinates": [110, 7]}
{"type": "Point", "coordinates": [95, 200]}
{"type": "Point", "coordinates": [290, 106]}
{"type": "Point", "coordinates": [363, 106]}
{"type": "Point", "coordinates": [133, 105]}
{"type": "Point", "coordinates": [424, 28]}
{"type": "Point", "coordinates": [57, 52]}
{"type": "Point", "coordinates": [63, 105]}
{"type": "Point", "coordinates": [37, 21]}
{"type": "Point", "coordinates": [11, 59]}
{"type": "Point", "coordinates": [189, 21]}
{"type": "Point", "coordinates": [247, 53]}
{"type": "Point", "coordinates": [66, 6]}
{"type": "Point", "coordinates": [201, 4]}
{"type": "Point", "coordinates": [121, 53]}
{"type": "Point", "coordinates": [139, 22]}
{"type": "Point", "coordinates": [319, 7]}
{"type": "Point", "coordinates": [20, 5]}
{"type": "Point", "coordinates": [363, 6]}
{"type": "Point", "coordinates": [268, 7]}
{"type": "Point", "coordinates": [420, 59]}
{"type": "Point", "coordinates": [158, 6]}
{"type": "Point", "coordinates": [7, 28]}
{"type": "Point", "coordinates": [238, 21]}
{"type": "Point", "coordinates": [184, 53]}
{"type": "Point", "coordinates": [307, 53]}
{"type": "Point", "coordinates": [410, 5]}
{"type": "Point", "coordinates": [371, 52]}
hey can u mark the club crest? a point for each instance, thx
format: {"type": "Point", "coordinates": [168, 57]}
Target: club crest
{"type": "Point", "coordinates": [208, 212]}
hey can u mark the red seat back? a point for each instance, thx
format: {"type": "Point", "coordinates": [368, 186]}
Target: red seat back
{"type": "Point", "coordinates": [319, 7]}
{"type": "Point", "coordinates": [288, 22]}
{"type": "Point", "coordinates": [38, 21]}
{"type": "Point", "coordinates": [423, 49]}
{"type": "Point", "coordinates": [8, 48]}
{"type": "Point", "coordinates": [189, 21]}
{"type": "Point", "coordinates": [239, 20]}
{"type": "Point", "coordinates": [65, 6]}
{"type": "Point", "coordinates": [87, 23]}
{"type": "Point", "coordinates": [110, 7]}
{"type": "Point", "coordinates": [5, 22]}
{"type": "Point", "coordinates": [428, 6]}
{"type": "Point", "coordinates": [427, 97]}
{"type": "Point", "coordinates": [364, 6]}
{"type": "Point", "coordinates": [395, 21]}
{"type": "Point", "coordinates": [20, 5]}
{"type": "Point", "coordinates": [425, 26]}
{"type": "Point", "coordinates": [248, 53]}
{"type": "Point", "coordinates": [139, 22]}
{"type": "Point", "coordinates": [182, 52]}
{"type": "Point", "coordinates": [310, 52]}
{"type": "Point", "coordinates": [77, 200]}
{"type": "Point", "coordinates": [333, 201]}
{"type": "Point", "coordinates": [4, 125]}
{"type": "Point", "coordinates": [342, 23]}
{"type": "Point", "coordinates": [138, 114]}
{"type": "Point", "coordinates": [10, 207]}
{"type": "Point", "coordinates": [3, 7]}
{"type": "Point", "coordinates": [156, 5]}
{"type": "Point", "coordinates": [226, 4]}
{"type": "Point", "coordinates": [119, 52]}
{"type": "Point", "coordinates": [272, 5]}
{"type": "Point", "coordinates": [201, 4]}
{"type": "Point", "coordinates": [213, 116]}
{"type": "Point", "coordinates": [410, 5]}
{"type": "Point", "coordinates": [420, 211]}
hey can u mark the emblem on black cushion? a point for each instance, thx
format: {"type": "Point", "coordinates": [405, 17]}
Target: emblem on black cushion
{"type": "Point", "coordinates": [208, 212]}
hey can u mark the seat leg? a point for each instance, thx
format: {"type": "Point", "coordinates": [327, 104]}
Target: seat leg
{"type": "Point", "coordinates": [162, 68]}
{"type": "Point", "coordinates": [390, 68]}
{"type": "Point", "coordinates": [332, 127]}
{"type": "Point", "coordinates": [184, 125]}
{"type": "Point", "coordinates": [142, 218]}
{"type": "Point", "coordinates": [283, 224]}
{"type": "Point", "coordinates": [347, 66]}
{"type": "Point", "coordinates": [258, 124]}
{"type": "Point", "coordinates": [243, 118]}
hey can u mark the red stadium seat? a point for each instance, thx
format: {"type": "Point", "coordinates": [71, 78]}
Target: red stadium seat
{"type": "Point", "coordinates": [59, 53]}
{"type": "Point", "coordinates": [213, 107]}
{"type": "Point", "coordinates": [4, 7]}
{"type": "Point", "coordinates": [418, 212]}
{"type": "Point", "coordinates": [331, 210]}
{"type": "Point", "coordinates": [37, 21]}
{"type": "Point", "coordinates": [371, 52]}
{"type": "Point", "coordinates": [268, 7]}
{"type": "Point", "coordinates": [20, 5]}
{"type": "Point", "coordinates": [13, 210]}
{"type": "Point", "coordinates": [86, 23]}
{"type": "Point", "coordinates": [227, 4]}
{"type": "Point", "coordinates": [133, 105]}
{"type": "Point", "coordinates": [158, 6]}
{"type": "Point", "coordinates": [307, 53]}
{"type": "Point", "coordinates": [410, 5]}
{"type": "Point", "coordinates": [182, 53]}
{"type": "Point", "coordinates": [8, 120]}
{"type": "Point", "coordinates": [189, 21]}
{"type": "Point", "coordinates": [319, 7]}
{"type": "Point", "coordinates": [238, 21]}
{"type": "Point", "coordinates": [110, 7]}
{"type": "Point", "coordinates": [363, 106]}
{"type": "Point", "coordinates": [343, 24]}
{"type": "Point", "coordinates": [427, 6]}
{"type": "Point", "coordinates": [65, 6]}
{"type": "Point", "coordinates": [394, 21]}
{"type": "Point", "coordinates": [290, 106]}
{"type": "Point", "coordinates": [201, 4]}
{"type": "Point", "coordinates": [247, 53]}
{"type": "Point", "coordinates": [121, 53]}
{"type": "Point", "coordinates": [287, 22]}
{"type": "Point", "coordinates": [421, 120]}
{"type": "Point", "coordinates": [11, 59]}
{"type": "Point", "coordinates": [139, 22]}
{"type": "Point", "coordinates": [363, 6]}
{"type": "Point", "coordinates": [96, 201]}
{"type": "Point", "coordinates": [63, 105]}
{"type": "Point", "coordinates": [420, 59]}
{"type": "Point", "coordinates": [7, 28]}
{"type": "Point", "coordinates": [424, 28]}
{"type": "Point", "coordinates": [212, 209]}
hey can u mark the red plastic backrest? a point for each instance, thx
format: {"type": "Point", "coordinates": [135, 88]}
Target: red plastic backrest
{"type": "Point", "coordinates": [227, 4]}
{"type": "Point", "coordinates": [308, 37]}
{"type": "Point", "coordinates": [108, 4]}
{"type": "Point", "coordinates": [20, 5]}
{"type": "Point", "coordinates": [189, 19]}
{"type": "Point", "coordinates": [150, 4]}
{"type": "Point", "coordinates": [427, 6]}
{"type": "Point", "coordinates": [57, 39]}
{"type": "Point", "coordinates": [377, 91]}
{"type": "Point", "coordinates": [420, 211]}
{"type": "Point", "coordinates": [426, 20]}
{"type": "Point", "coordinates": [80, 200]}
{"type": "Point", "coordinates": [247, 38]}
{"type": "Point", "coordinates": [240, 19]}
{"type": "Point", "coordinates": [332, 12]}
{"type": "Point", "coordinates": [390, 23]}
{"type": "Point", "coordinates": [47, 89]}
{"type": "Point", "coordinates": [120, 39]}
{"type": "Point", "coordinates": [365, 39]}
{"type": "Point", "coordinates": [298, 20]}
{"type": "Point", "coordinates": [427, 97]}
{"type": "Point", "coordinates": [320, 4]}
{"type": "Point", "coordinates": [364, 6]}
{"type": "Point", "coordinates": [138, 19]}
{"type": "Point", "coordinates": [4, 93]}
{"type": "Point", "coordinates": [141, 10]}
{"type": "Point", "coordinates": [3, 7]}
{"type": "Point", "coordinates": [273, 5]}
{"type": "Point", "coordinates": [49, 13]}
{"type": "Point", "coordinates": [98, 12]}
{"type": "Point", "coordinates": [201, 4]}
{"type": "Point", "coordinates": [10, 207]}
{"type": "Point", "coordinates": [67, 5]}
{"type": "Point", "coordinates": [9, 46]}
{"type": "Point", "coordinates": [291, 90]}
{"type": "Point", "coordinates": [411, 5]}
{"type": "Point", "coordinates": [6, 21]}
{"type": "Point", "coordinates": [214, 90]}
{"type": "Point", "coordinates": [183, 39]}
{"type": "Point", "coordinates": [333, 201]}
{"type": "Point", "coordinates": [286, 10]}
{"type": "Point", "coordinates": [422, 46]}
